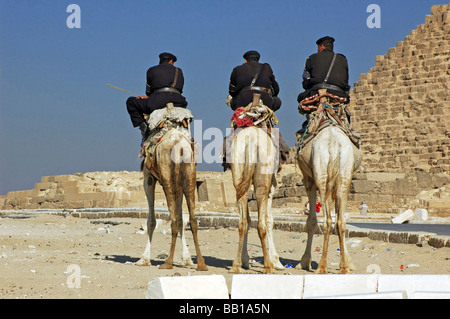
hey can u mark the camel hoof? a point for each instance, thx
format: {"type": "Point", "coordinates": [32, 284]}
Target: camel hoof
{"type": "Point", "coordinates": [166, 266]}
{"type": "Point", "coordinates": [187, 262]}
{"type": "Point", "coordinates": [268, 270]}
{"type": "Point", "coordinates": [345, 271]}
{"type": "Point", "coordinates": [321, 271]}
{"type": "Point", "coordinates": [279, 266]}
{"type": "Point", "coordinates": [304, 264]}
{"type": "Point", "coordinates": [235, 270]}
{"type": "Point", "coordinates": [202, 268]}
{"type": "Point", "coordinates": [143, 262]}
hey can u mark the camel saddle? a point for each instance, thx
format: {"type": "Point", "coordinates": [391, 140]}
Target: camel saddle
{"type": "Point", "coordinates": [160, 123]}
{"type": "Point", "coordinates": [326, 111]}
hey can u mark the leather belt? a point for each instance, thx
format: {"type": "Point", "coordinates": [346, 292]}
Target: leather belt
{"type": "Point", "coordinates": [256, 88]}
{"type": "Point", "coordinates": [171, 90]}
{"type": "Point", "coordinates": [327, 86]}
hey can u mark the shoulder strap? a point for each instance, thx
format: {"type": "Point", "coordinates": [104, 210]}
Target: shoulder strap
{"type": "Point", "coordinates": [256, 75]}
{"type": "Point", "coordinates": [331, 67]}
{"type": "Point", "coordinates": [175, 78]}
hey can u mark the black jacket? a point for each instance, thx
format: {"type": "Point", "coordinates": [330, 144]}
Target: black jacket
{"type": "Point", "coordinates": [161, 76]}
{"type": "Point", "coordinates": [242, 77]}
{"type": "Point", "coordinates": [316, 69]}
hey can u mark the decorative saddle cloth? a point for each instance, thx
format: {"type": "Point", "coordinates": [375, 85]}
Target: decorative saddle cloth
{"type": "Point", "coordinates": [324, 110]}
{"type": "Point", "coordinates": [161, 122]}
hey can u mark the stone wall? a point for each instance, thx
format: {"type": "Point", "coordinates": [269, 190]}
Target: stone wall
{"type": "Point", "coordinates": [402, 105]}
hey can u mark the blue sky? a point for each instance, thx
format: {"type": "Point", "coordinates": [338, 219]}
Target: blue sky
{"type": "Point", "coordinates": [57, 116]}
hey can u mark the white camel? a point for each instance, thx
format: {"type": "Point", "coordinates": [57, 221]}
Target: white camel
{"type": "Point", "coordinates": [174, 168]}
{"type": "Point", "coordinates": [254, 160]}
{"type": "Point", "coordinates": [327, 164]}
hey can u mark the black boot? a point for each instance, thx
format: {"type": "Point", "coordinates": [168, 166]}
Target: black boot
{"type": "Point", "coordinates": [144, 131]}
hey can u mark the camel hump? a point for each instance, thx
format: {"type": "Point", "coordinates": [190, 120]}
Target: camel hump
{"type": "Point", "coordinates": [169, 113]}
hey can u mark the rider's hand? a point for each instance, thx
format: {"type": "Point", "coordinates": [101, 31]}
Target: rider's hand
{"type": "Point", "coordinates": [142, 97]}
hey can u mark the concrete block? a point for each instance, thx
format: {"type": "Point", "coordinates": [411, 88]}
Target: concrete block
{"type": "Point", "coordinates": [191, 287]}
{"type": "Point", "coordinates": [377, 295]}
{"type": "Point", "coordinates": [413, 283]}
{"type": "Point", "coordinates": [403, 217]}
{"type": "Point", "coordinates": [420, 214]}
{"type": "Point", "coordinates": [430, 295]}
{"type": "Point", "coordinates": [339, 285]}
{"type": "Point", "coordinates": [267, 287]}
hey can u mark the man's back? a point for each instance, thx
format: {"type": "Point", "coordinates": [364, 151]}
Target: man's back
{"type": "Point", "coordinates": [163, 75]}
{"type": "Point", "coordinates": [242, 77]}
{"type": "Point", "coordinates": [318, 65]}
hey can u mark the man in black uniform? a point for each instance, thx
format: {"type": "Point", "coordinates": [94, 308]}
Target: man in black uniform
{"type": "Point", "coordinates": [253, 77]}
{"type": "Point", "coordinates": [164, 84]}
{"type": "Point", "coordinates": [316, 69]}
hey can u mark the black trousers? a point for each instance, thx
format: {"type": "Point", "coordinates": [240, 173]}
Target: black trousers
{"type": "Point", "coordinates": [136, 109]}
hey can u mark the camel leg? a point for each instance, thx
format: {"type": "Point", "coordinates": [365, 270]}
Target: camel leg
{"type": "Point", "coordinates": [185, 255]}
{"type": "Point", "coordinates": [189, 193]}
{"type": "Point", "coordinates": [341, 200]}
{"type": "Point", "coordinates": [149, 188]}
{"type": "Point", "coordinates": [175, 218]}
{"type": "Point", "coordinates": [311, 223]}
{"type": "Point", "coordinates": [262, 198]}
{"type": "Point", "coordinates": [273, 255]}
{"type": "Point", "coordinates": [243, 226]}
{"type": "Point", "coordinates": [327, 221]}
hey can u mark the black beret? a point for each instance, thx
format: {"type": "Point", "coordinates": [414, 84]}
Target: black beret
{"type": "Point", "coordinates": [250, 54]}
{"type": "Point", "coordinates": [327, 38]}
{"type": "Point", "coordinates": [166, 55]}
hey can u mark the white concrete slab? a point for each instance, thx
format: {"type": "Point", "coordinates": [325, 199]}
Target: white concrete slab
{"type": "Point", "coordinates": [413, 283]}
{"type": "Point", "coordinates": [430, 295]}
{"type": "Point", "coordinates": [267, 287]}
{"type": "Point", "coordinates": [339, 285]}
{"type": "Point", "coordinates": [191, 287]}
{"type": "Point", "coordinates": [376, 295]}
{"type": "Point", "coordinates": [403, 217]}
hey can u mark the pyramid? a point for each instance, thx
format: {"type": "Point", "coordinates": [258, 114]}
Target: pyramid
{"type": "Point", "coordinates": [402, 105]}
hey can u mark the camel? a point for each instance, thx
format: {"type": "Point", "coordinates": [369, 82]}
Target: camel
{"type": "Point", "coordinates": [174, 168]}
{"type": "Point", "coordinates": [327, 163]}
{"type": "Point", "coordinates": [254, 159]}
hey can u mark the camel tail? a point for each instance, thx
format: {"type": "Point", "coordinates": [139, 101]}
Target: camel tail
{"type": "Point", "coordinates": [332, 173]}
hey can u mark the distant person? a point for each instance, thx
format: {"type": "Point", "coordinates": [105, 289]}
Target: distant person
{"type": "Point", "coordinates": [363, 208]}
{"type": "Point", "coordinates": [164, 85]}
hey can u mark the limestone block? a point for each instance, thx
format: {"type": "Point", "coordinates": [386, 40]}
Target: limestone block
{"type": "Point", "coordinates": [403, 217]}
{"type": "Point", "coordinates": [414, 283]}
{"type": "Point", "coordinates": [339, 285]}
{"type": "Point", "coordinates": [420, 214]}
{"type": "Point", "coordinates": [267, 287]}
{"type": "Point", "coordinates": [191, 287]}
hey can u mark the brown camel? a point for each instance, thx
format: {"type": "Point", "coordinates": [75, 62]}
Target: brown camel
{"type": "Point", "coordinates": [174, 168]}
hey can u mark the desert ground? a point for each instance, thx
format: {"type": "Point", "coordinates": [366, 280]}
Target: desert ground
{"type": "Point", "coordinates": [41, 254]}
